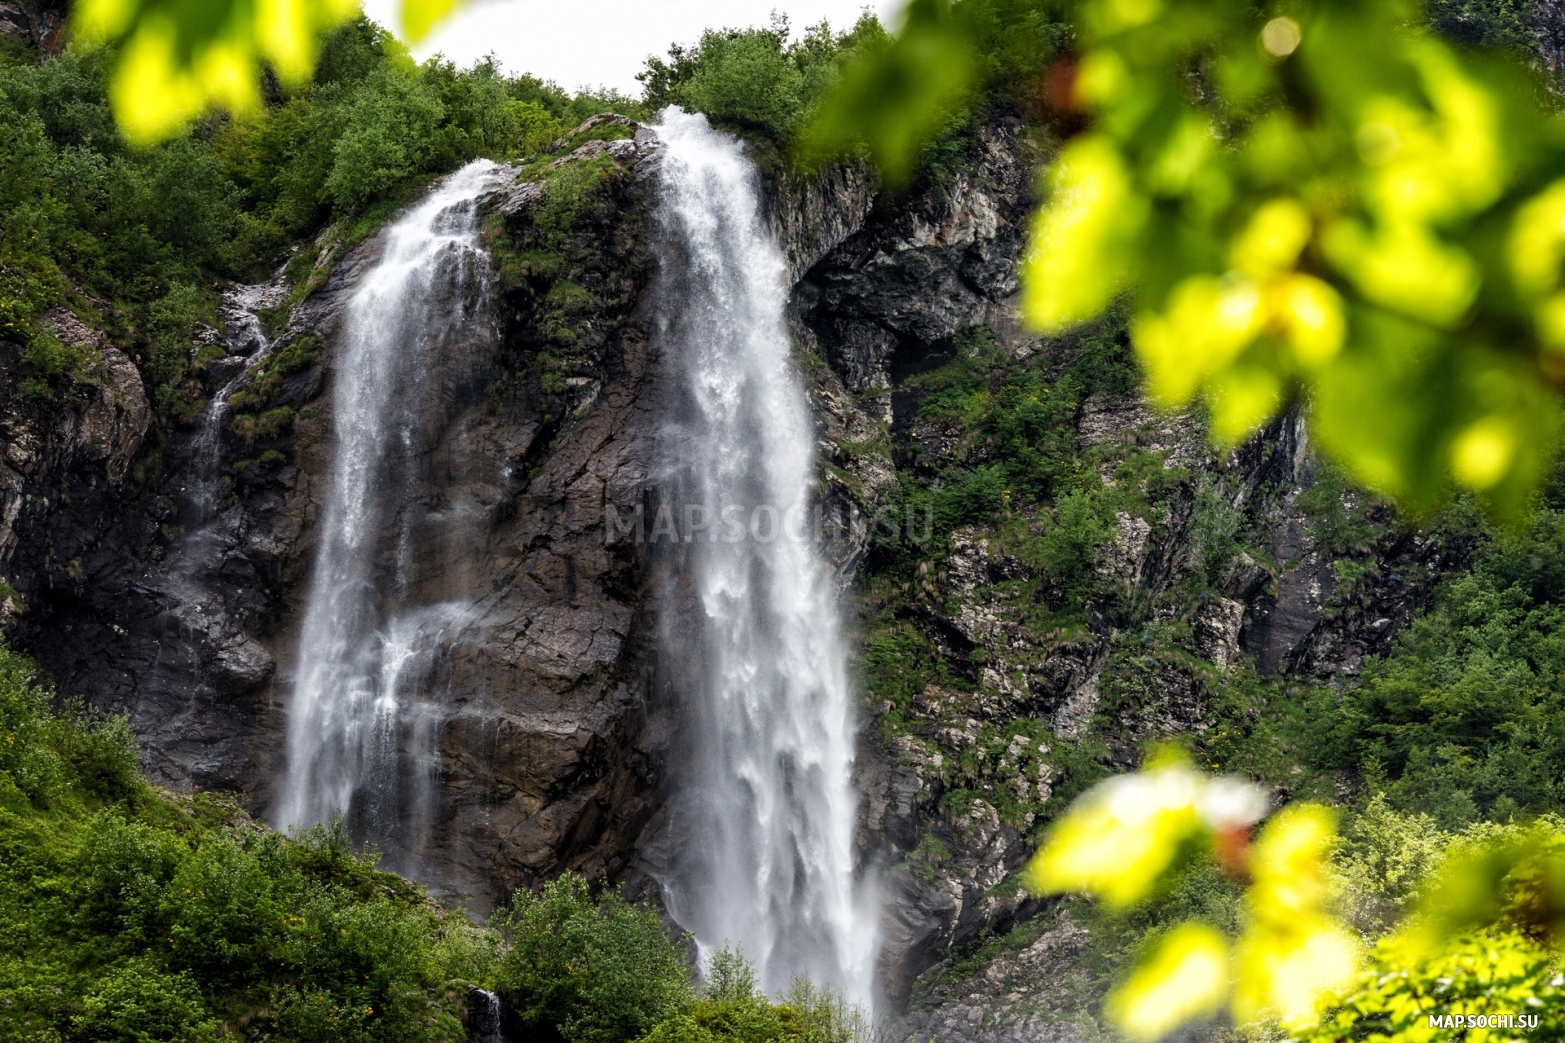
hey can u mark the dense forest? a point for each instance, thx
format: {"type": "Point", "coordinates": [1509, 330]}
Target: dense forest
{"type": "Point", "coordinates": [136, 914]}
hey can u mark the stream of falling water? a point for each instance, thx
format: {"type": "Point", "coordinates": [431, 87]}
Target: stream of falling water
{"type": "Point", "coordinates": [245, 340]}
{"type": "Point", "coordinates": [361, 727]}
{"type": "Point", "coordinates": [766, 810]}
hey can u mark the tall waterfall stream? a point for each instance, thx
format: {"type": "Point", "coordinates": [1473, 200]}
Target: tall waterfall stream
{"type": "Point", "coordinates": [363, 722]}
{"type": "Point", "coordinates": [766, 808]}
{"type": "Point", "coordinates": [765, 796]}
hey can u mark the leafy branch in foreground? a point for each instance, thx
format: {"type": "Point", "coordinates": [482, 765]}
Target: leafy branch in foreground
{"type": "Point", "coordinates": [1320, 198]}
{"type": "Point", "coordinates": [1481, 937]}
{"type": "Point", "coordinates": [179, 58]}
{"type": "Point", "coordinates": [1126, 838]}
{"type": "Point", "coordinates": [1329, 198]}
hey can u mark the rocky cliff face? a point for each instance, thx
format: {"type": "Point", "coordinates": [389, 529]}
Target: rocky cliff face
{"type": "Point", "coordinates": [40, 23]}
{"type": "Point", "coordinates": [1199, 564]}
{"type": "Point", "coordinates": [189, 623]}
{"type": "Point", "coordinates": [555, 730]}
{"type": "Point", "coordinates": [63, 461]}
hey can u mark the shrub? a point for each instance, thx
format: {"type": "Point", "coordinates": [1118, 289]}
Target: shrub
{"type": "Point", "coordinates": [139, 1004]}
{"type": "Point", "coordinates": [124, 868]}
{"type": "Point", "coordinates": [592, 970]}
{"type": "Point", "coordinates": [170, 321]}
{"type": "Point", "coordinates": [27, 757]}
{"type": "Point", "coordinates": [101, 750]}
{"type": "Point", "coordinates": [160, 910]}
{"type": "Point", "coordinates": [316, 1016]}
{"type": "Point", "coordinates": [391, 128]}
{"type": "Point", "coordinates": [754, 80]}
{"type": "Point", "coordinates": [746, 79]}
{"type": "Point", "coordinates": [221, 914]}
{"type": "Point", "coordinates": [1460, 721]}
{"type": "Point", "coordinates": [251, 427]}
{"type": "Point", "coordinates": [731, 1007]}
{"type": "Point", "coordinates": [49, 359]}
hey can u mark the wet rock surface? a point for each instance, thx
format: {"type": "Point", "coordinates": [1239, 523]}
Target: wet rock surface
{"type": "Point", "coordinates": [140, 604]}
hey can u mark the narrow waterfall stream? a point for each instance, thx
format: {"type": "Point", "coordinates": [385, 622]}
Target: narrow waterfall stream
{"type": "Point", "coordinates": [247, 345]}
{"type": "Point", "coordinates": [363, 722]}
{"type": "Point", "coordinates": [765, 810]}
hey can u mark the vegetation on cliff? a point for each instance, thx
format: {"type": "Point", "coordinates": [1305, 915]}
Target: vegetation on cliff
{"type": "Point", "coordinates": [131, 238]}
{"type": "Point", "coordinates": [1220, 171]}
{"type": "Point", "coordinates": [1445, 738]}
{"type": "Point", "coordinates": [134, 915]}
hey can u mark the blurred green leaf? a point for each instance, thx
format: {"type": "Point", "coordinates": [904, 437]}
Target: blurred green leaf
{"type": "Point", "coordinates": [898, 95]}
{"type": "Point", "coordinates": [420, 17]}
{"type": "Point", "coordinates": [181, 58]}
{"type": "Point", "coordinates": [1323, 201]}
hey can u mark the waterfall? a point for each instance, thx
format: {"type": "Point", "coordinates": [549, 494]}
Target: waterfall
{"type": "Point", "coordinates": [765, 811]}
{"type": "Point", "coordinates": [365, 715]}
{"type": "Point", "coordinates": [484, 1023]}
{"type": "Point", "coordinates": [247, 346]}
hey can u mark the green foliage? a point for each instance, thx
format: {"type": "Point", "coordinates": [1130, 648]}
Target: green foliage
{"type": "Point", "coordinates": [178, 61]}
{"type": "Point", "coordinates": [1213, 535]}
{"type": "Point", "coordinates": [729, 978]}
{"type": "Point", "coordinates": [29, 764]}
{"type": "Point", "coordinates": [1336, 512]}
{"type": "Point", "coordinates": [592, 969]}
{"type": "Point", "coordinates": [252, 427]}
{"type": "Point", "coordinates": [910, 102]}
{"type": "Point", "coordinates": [1477, 919]}
{"type": "Point", "coordinates": [170, 320]}
{"type": "Point", "coordinates": [1461, 721]}
{"type": "Point", "coordinates": [1496, 973]}
{"type": "Point", "coordinates": [1010, 768]}
{"type": "Point", "coordinates": [100, 751]}
{"type": "Point", "coordinates": [568, 194]}
{"type": "Point", "coordinates": [293, 357]}
{"type": "Point", "coordinates": [390, 132]}
{"type": "Point", "coordinates": [1014, 427]}
{"type": "Point", "coordinates": [1227, 177]}
{"type": "Point", "coordinates": [374, 126]}
{"type": "Point", "coordinates": [1383, 859]}
{"type": "Point", "coordinates": [139, 1004]}
{"type": "Point", "coordinates": [926, 72]}
{"type": "Point", "coordinates": [755, 81]}
{"type": "Point", "coordinates": [123, 223]}
{"type": "Point", "coordinates": [1501, 24]}
{"type": "Point", "coordinates": [731, 1009]}
{"type": "Point", "coordinates": [29, 284]}
{"type": "Point", "coordinates": [135, 917]}
{"type": "Point", "coordinates": [47, 361]}
{"type": "Point", "coordinates": [130, 239]}
{"type": "Point", "coordinates": [1131, 837]}
{"type": "Point", "coordinates": [899, 660]}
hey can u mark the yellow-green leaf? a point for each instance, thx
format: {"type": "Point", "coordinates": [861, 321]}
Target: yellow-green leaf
{"type": "Point", "coordinates": [1081, 253]}
{"type": "Point", "coordinates": [1185, 978]}
{"type": "Point", "coordinates": [181, 58]}
{"type": "Point", "coordinates": [420, 17]}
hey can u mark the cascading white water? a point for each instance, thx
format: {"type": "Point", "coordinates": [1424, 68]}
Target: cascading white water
{"type": "Point", "coordinates": [361, 727]}
{"type": "Point", "coordinates": [766, 811]}
{"type": "Point", "coordinates": [248, 346]}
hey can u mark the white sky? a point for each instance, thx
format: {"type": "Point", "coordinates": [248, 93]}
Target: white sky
{"type": "Point", "coordinates": [594, 43]}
